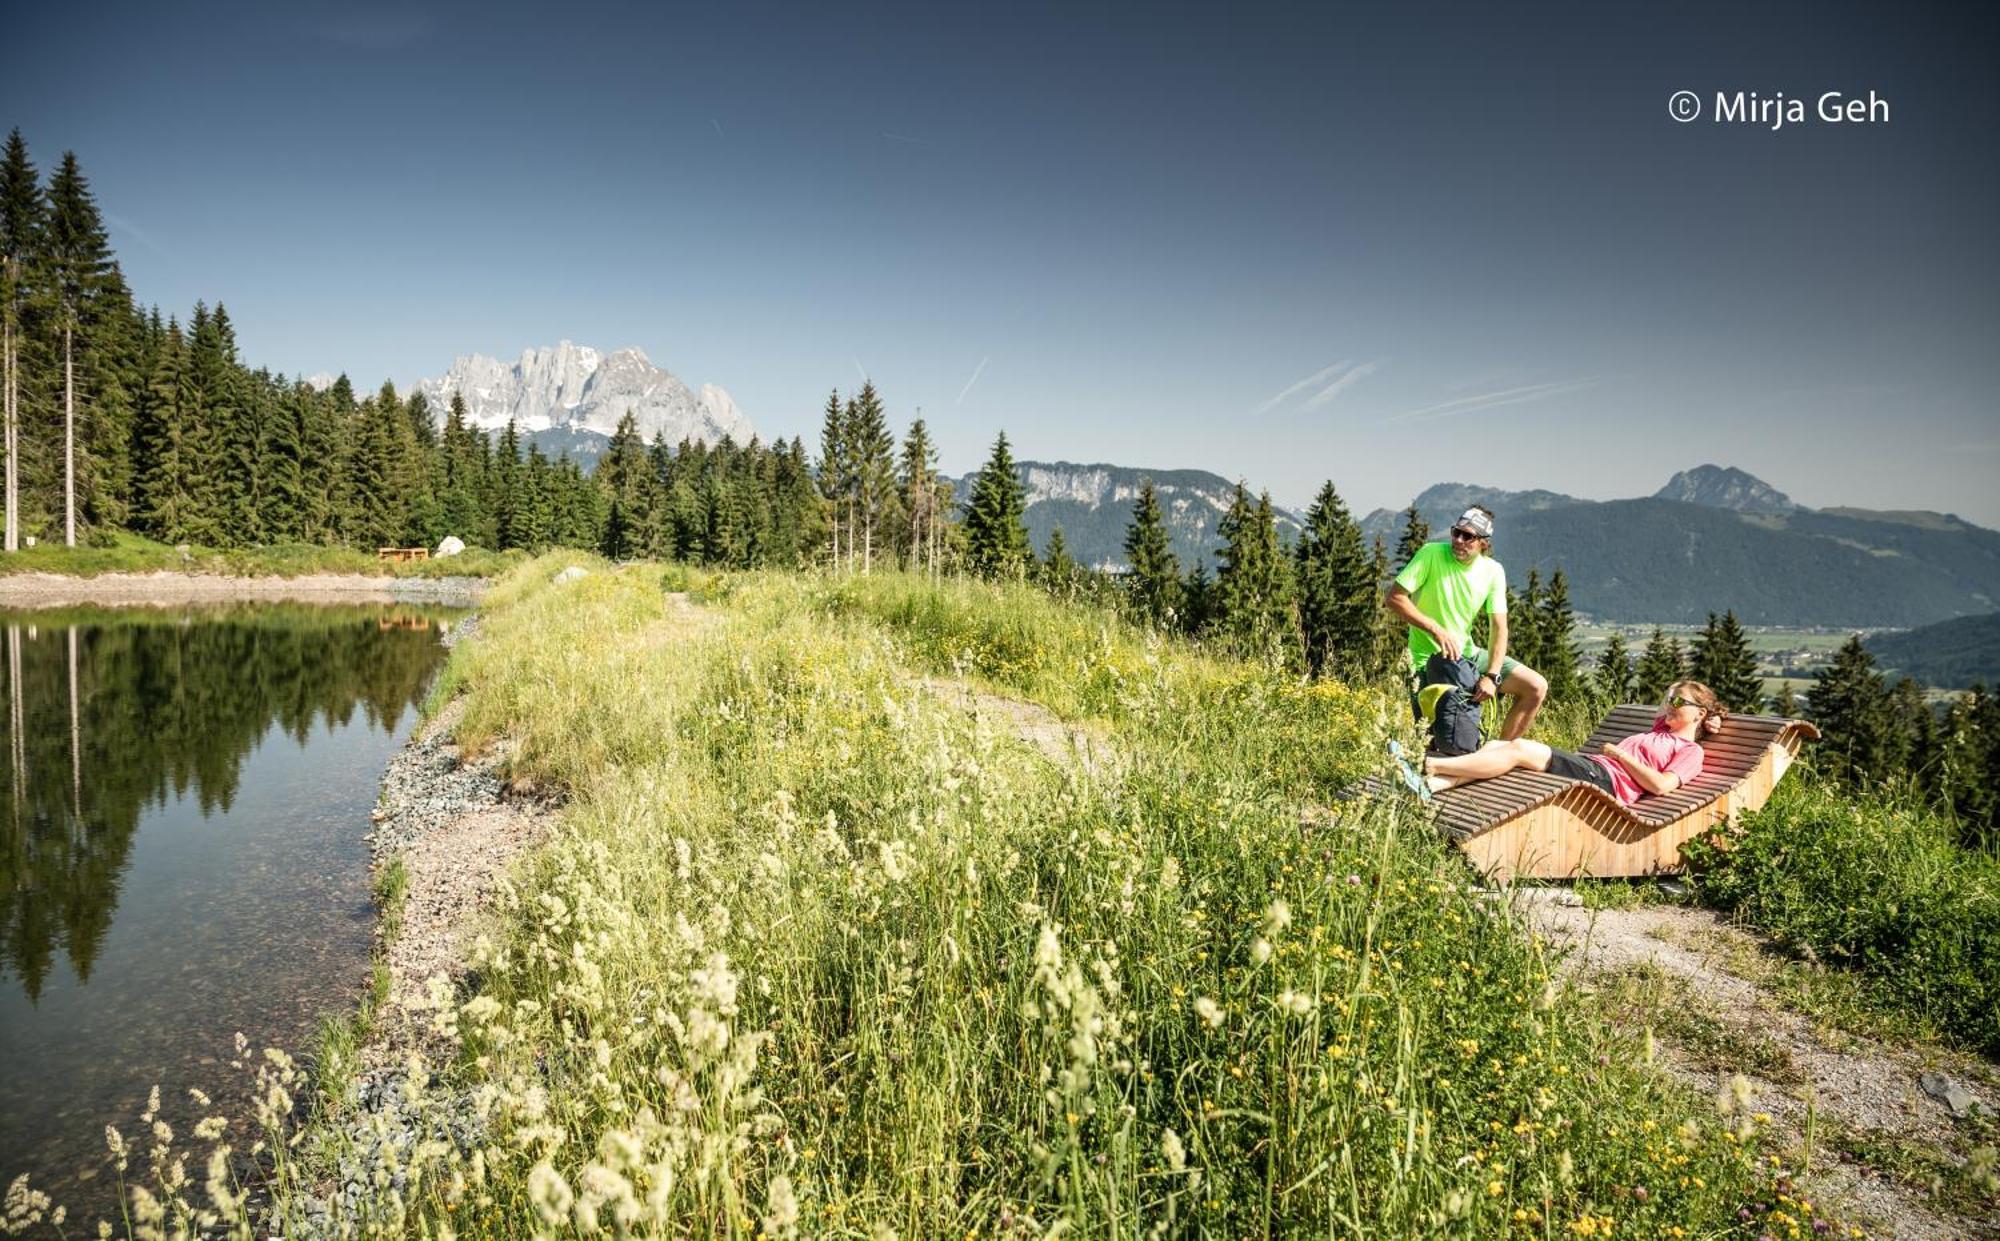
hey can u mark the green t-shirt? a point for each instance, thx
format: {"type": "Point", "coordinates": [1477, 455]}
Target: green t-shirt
{"type": "Point", "coordinates": [1450, 593]}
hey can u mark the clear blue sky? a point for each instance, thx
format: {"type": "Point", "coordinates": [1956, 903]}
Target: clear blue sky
{"type": "Point", "coordinates": [1149, 234]}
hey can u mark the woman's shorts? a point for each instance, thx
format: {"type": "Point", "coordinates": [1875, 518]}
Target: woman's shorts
{"type": "Point", "coordinates": [1574, 766]}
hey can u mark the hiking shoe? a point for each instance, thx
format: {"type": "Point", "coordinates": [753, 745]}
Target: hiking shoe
{"type": "Point", "coordinates": [1427, 700]}
{"type": "Point", "coordinates": [1412, 779]}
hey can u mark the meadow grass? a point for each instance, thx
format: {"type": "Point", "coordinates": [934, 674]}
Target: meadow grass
{"type": "Point", "coordinates": [1881, 889]}
{"type": "Point", "coordinates": [812, 952]}
{"type": "Point", "coordinates": [119, 552]}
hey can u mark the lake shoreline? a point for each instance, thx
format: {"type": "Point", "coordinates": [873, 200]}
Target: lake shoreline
{"type": "Point", "coordinates": [170, 589]}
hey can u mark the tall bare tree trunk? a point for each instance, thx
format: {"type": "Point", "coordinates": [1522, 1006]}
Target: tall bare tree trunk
{"type": "Point", "coordinates": [13, 531]}
{"type": "Point", "coordinates": [69, 441]}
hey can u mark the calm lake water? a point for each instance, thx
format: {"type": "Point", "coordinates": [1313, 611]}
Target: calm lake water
{"type": "Point", "coordinates": [183, 801]}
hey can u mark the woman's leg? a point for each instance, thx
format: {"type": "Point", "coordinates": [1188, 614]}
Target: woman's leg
{"type": "Point", "coordinates": [1495, 758]}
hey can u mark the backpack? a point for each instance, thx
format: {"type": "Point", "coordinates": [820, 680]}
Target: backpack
{"type": "Point", "coordinates": [1455, 728]}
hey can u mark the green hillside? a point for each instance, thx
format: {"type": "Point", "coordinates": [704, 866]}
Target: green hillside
{"type": "Point", "coordinates": [1953, 654]}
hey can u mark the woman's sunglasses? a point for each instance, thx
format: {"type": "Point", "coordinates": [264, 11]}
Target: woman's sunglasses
{"type": "Point", "coordinates": [1676, 700]}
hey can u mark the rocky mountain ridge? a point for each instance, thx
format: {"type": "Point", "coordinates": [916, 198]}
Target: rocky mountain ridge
{"type": "Point", "coordinates": [576, 388]}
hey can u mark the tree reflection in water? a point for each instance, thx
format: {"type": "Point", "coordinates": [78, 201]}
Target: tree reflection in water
{"type": "Point", "coordinates": [110, 713]}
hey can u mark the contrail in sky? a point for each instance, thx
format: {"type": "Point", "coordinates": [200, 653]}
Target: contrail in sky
{"type": "Point", "coordinates": [1326, 395]}
{"type": "Point", "coordinates": [975, 379]}
{"type": "Point", "coordinates": [1494, 400]}
{"type": "Point", "coordinates": [1300, 386]}
{"type": "Point", "coordinates": [862, 369]}
{"type": "Point", "coordinates": [717, 124]}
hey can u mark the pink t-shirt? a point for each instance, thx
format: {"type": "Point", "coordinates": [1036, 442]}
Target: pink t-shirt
{"type": "Point", "coordinates": [1660, 750]}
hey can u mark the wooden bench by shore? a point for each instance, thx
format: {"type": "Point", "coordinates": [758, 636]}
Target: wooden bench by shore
{"type": "Point", "coordinates": [402, 553]}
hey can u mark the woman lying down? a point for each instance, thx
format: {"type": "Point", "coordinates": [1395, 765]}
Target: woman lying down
{"type": "Point", "coordinates": [1642, 765]}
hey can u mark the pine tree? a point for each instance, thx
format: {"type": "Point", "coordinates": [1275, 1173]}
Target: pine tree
{"type": "Point", "coordinates": [509, 493]}
{"type": "Point", "coordinates": [1660, 665]}
{"type": "Point", "coordinates": [1059, 572]}
{"type": "Point", "coordinates": [1969, 779]}
{"type": "Point", "coordinates": [82, 279]}
{"type": "Point", "coordinates": [919, 481]}
{"type": "Point", "coordinates": [1255, 603]}
{"type": "Point", "coordinates": [622, 474]}
{"type": "Point", "coordinates": [1416, 533]}
{"type": "Point", "coordinates": [1524, 623]}
{"type": "Point", "coordinates": [1613, 680]}
{"type": "Point", "coordinates": [837, 476]}
{"type": "Point", "coordinates": [282, 494]}
{"type": "Point", "coordinates": [871, 457]}
{"type": "Point", "coordinates": [167, 484]}
{"type": "Point", "coordinates": [1154, 584]}
{"type": "Point", "coordinates": [996, 540]}
{"type": "Point", "coordinates": [22, 215]}
{"type": "Point", "coordinates": [1556, 621]}
{"type": "Point", "coordinates": [1336, 589]}
{"type": "Point", "coordinates": [1721, 659]}
{"type": "Point", "coordinates": [1850, 704]}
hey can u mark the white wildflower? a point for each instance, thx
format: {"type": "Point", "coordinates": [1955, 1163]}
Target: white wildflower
{"type": "Point", "coordinates": [1260, 950]}
{"type": "Point", "coordinates": [550, 1193]}
{"type": "Point", "coordinates": [1277, 917]}
{"type": "Point", "coordinates": [1294, 1002]}
{"type": "Point", "coordinates": [1209, 1011]}
{"type": "Point", "coordinates": [1173, 1152]}
{"type": "Point", "coordinates": [781, 1208]}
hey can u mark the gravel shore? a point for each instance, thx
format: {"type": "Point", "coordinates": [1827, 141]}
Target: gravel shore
{"type": "Point", "coordinates": [457, 827]}
{"type": "Point", "coordinates": [49, 590]}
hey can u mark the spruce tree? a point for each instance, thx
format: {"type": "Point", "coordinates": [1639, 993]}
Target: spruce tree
{"type": "Point", "coordinates": [837, 477]}
{"type": "Point", "coordinates": [22, 216]}
{"type": "Point", "coordinates": [871, 452]}
{"type": "Point", "coordinates": [1858, 744]}
{"type": "Point", "coordinates": [623, 473]}
{"type": "Point", "coordinates": [1613, 679]}
{"type": "Point", "coordinates": [996, 540]}
{"type": "Point", "coordinates": [509, 493]}
{"type": "Point", "coordinates": [1059, 572]}
{"type": "Point", "coordinates": [1255, 606]}
{"type": "Point", "coordinates": [1154, 584]}
{"type": "Point", "coordinates": [167, 484]}
{"type": "Point", "coordinates": [1969, 778]}
{"type": "Point", "coordinates": [1555, 620]}
{"type": "Point", "coordinates": [1660, 665]}
{"type": "Point", "coordinates": [282, 494]}
{"type": "Point", "coordinates": [1336, 589]}
{"type": "Point", "coordinates": [83, 282]}
{"type": "Point", "coordinates": [919, 481]}
{"type": "Point", "coordinates": [1721, 659]}
{"type": "Point", "coordinates": [1416, 533]}
{"type": "Point", "coordinates": [1524, 622]}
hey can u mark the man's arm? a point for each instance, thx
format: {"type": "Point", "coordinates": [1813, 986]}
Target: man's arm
{"type": "Point", "coordinates": [1653, 782]}
{"type": "Point", "coordinates": [1398, 601]}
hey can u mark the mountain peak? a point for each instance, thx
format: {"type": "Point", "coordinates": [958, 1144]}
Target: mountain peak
{"type": "Point", "coordinates": [1726, 487]}
{"type": "Point", "coordinates": [576, 388]}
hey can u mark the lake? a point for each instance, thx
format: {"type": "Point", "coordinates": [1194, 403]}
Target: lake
{"type": "Point", "coordinates": [183, 808]}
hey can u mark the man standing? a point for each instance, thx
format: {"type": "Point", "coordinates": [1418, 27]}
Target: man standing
{"type": "Point", "coordinates": [1442, 590]}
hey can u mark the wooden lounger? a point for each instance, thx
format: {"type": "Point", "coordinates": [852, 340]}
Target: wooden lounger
{"type": "Point", "coordinates": [1533, 824]}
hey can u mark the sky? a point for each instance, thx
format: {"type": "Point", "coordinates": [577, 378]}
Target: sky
{"type": "Point", "coordinates": [1383, 245]}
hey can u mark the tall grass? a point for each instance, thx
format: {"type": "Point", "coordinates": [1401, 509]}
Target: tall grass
{"type": "Point", "coordinates": [812, 952]}
{"type": "Point", "coordinates": [1881, 888]}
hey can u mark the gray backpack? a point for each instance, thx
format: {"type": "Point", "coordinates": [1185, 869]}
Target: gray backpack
{"type": "Point", "coordinates": [1455, 727]}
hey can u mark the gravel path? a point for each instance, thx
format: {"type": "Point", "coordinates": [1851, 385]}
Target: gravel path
{"type": "Point", "coordinates": [1803, 1076]}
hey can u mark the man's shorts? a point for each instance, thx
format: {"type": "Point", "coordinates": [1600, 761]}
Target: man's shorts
{"type": "Point", "coordinates": [1479, 658]}
{"type": "Point", "coordinates": [1573, 766]}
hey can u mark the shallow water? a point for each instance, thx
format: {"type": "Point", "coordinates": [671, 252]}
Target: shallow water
{"type": "Point", "coordinates": [184, 798]}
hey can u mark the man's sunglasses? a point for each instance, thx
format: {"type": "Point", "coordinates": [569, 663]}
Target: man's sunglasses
{"type": "Point", "coordinates": [1465, 536]}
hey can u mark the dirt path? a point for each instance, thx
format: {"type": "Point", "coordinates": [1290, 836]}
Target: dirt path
{"type": "Point", "coordinates": [1031, 722]}
{"type": "Point", "coordinates": [1702, 987]}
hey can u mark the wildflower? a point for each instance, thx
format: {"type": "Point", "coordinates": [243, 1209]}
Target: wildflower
{"type": "Point", "coordinates": [1173, 1152]}
{"type": "Point", "coordinates": [1260, 950]}
{"type": "Point", "coordinates": [1354, 881]}
{"type": "Point", "coordinates": [1295, 1003]}
{"type": "Point", "coordinates": [1277, 917]}
{"type": "Point", "coordinates": [1209, 1011]}
{"type": "Point", "coordinates": [550, 1194]}
{"type": "Point", "coordinates": [210, 1128]}
{"type": "Point", "coordinates": [781, 1207]}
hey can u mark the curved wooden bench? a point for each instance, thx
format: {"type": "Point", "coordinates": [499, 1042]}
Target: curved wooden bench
{"type": "Point", "coordinates": [1534, 824]}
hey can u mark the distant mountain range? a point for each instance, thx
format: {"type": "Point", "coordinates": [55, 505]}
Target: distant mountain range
{"type": "Point", "coordinates": [1715, 539]}
{"type": "Point", "coordinates": [1093, 505]}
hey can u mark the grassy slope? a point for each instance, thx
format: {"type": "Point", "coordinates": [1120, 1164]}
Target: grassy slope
{"type": "Point", "coordinates": [811, 951]}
